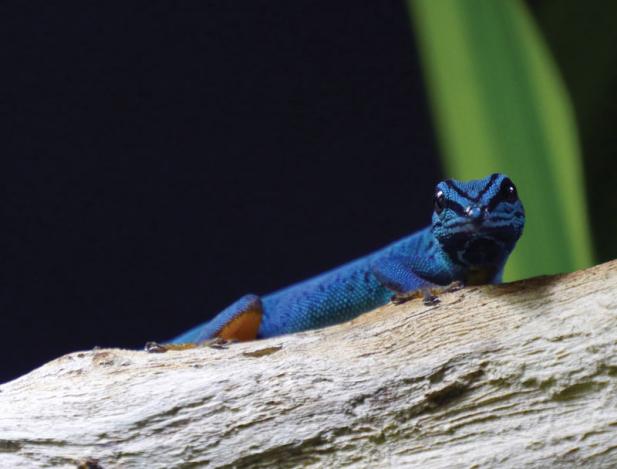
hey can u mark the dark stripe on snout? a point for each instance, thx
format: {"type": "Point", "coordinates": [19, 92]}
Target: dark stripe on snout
{"type": "Point", "coordinates": [455, 188]}
{"type": "Point", "coordinates": [490, 182]}
{"type": "Point", "coordinates": [450, 183]}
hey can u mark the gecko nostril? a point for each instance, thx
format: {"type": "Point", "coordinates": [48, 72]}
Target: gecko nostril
{"type": "Point", "coordinates": [474, 212]}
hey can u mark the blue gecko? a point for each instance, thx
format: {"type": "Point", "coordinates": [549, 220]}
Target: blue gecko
{"type": "Point", "coordinates": [475, 225]}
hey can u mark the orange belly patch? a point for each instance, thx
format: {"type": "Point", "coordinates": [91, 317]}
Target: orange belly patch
{"type": "Point", "coordinates": [244, 326]}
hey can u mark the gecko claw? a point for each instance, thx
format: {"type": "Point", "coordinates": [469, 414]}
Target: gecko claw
{"type": "Point", "coordinates": [217, 343]}
{"type": "Point", "coordinates": [400, 298]}
{"type": "Point", "coordinates": [155, 347]}
{"type": "Point", "coordinates": [428, 298]}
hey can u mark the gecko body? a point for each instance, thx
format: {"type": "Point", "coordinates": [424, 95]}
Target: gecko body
{"type": "Point", "coordinates": [475, 226]}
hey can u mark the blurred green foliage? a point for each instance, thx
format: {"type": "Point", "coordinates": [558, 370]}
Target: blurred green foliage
{"type": "Point", "coordinates": [500, 106]}
{"type": "Point", "coordinates": [582, 37]}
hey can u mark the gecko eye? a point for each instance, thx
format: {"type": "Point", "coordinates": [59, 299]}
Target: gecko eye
{"type": "Point", "coordinates": [508, 191]}
{"type": "Point", "coordinates": [440, 201]}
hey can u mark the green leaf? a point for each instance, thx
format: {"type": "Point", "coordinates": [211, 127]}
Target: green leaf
{"type": "Point", "coordinates": [500, 106]}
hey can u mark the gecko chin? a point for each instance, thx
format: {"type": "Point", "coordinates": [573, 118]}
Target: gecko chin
{"type": "Point", "coordinates": [481, 252]}
{"type": "Point", "coordinates": [479, 247]}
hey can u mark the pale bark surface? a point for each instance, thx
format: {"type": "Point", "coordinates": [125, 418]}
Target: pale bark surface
{"type": "Point", "coordinates": [523, 374]}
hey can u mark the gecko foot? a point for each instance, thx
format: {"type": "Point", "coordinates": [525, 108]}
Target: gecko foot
{"type": "Point", "coordinates": [400, 298]}
{"type": "Point", "coordinates": [155, 347]}
{"type": "Point", "coordinates": [428, 295]}
{"type": "Point", "coordinates": [217, 342]}
{"type": "Point", "coordinates": [454, 286]}
{"type": "Point", "coordinates": [428, 298]}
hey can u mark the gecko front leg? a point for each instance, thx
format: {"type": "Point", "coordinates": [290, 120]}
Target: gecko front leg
{"type": "Point", "coordinates": [397, 273]}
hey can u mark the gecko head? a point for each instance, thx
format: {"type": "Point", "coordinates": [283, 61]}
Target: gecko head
{"type": "Point", "coordinates": [477, 222]}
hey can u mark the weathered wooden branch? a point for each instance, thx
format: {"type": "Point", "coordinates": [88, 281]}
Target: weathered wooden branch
{"type": "Point", "coordinates": [512, 375]}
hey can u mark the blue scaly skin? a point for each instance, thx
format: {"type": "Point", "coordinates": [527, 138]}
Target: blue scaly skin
{"type": "Point", "coordinates": [474, 228]}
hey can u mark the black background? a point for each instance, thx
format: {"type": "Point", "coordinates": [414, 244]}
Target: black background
{"type": "Point", "coordinates": [160, 159]}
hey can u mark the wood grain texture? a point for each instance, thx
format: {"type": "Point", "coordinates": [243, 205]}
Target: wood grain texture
{"type": "Point", "coordinates": [511, 375]}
